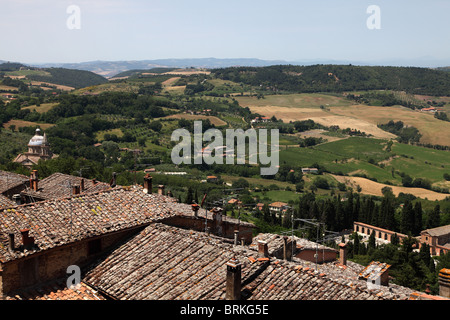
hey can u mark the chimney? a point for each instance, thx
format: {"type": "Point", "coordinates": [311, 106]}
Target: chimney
{"type": "Point", "coordinates": [343, 254]}
{"type": "Point", "coordinates": [27, 241]}
{"type": "Point", "coordinates": [288, 248]}
{"type": "Point", "coordinates": [233, 289]}
{"type": "Point", "coordinates": [169, 194]}
{"type": "Point", "coordinates": [444, 283]}
{"type": "Point", "coordinates": [112, 183]}
{"type": "Point", "coordinates": [161, 189]}
{"type": "Point", "coordinates": [34, 180]}
{"type": "Point", "coordinates": [263, 250]}
{"type": "Point", "coordinates": [17, 199]}
{"type": "Point", "coordinates": [236, 236]}
{"type": "Point", "coordinates": [94, 181]}
{"type": "Point", "coordinates": [195, 208]}
{"type": "Point", "coordinates": [12, 244]}
{"type": "Point", "coordinates": [76, 190]}
{"type": "Point", "coordinates": [82, 185]}
{"type": "Point", "coordinates": [148, 184]}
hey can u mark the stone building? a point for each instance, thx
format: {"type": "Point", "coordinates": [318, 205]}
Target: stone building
{"type": "Point", "coordinates": [38, 149]}
{"type": "Point", "coordinates": [437, 238]}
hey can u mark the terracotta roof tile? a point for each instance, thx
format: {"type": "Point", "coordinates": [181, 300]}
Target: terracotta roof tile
{"type": "Point", "coordinates": [56, 290]}
{"type": "Point", "coordinates": [56, 222]}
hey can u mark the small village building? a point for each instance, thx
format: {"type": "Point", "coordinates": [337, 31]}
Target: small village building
{"type": "Point", "coordinates": [438, 239]}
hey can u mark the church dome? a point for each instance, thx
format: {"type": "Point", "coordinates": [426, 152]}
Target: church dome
{"type": "Point", "coordinates": [38, 139]}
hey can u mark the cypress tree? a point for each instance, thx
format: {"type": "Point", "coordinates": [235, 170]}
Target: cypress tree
{"type": "Point", "coordinates": [417, 218]}
{"type": "Point", "coordinates": [434, 220]}
{"type": "Point", "coordinates": [407, 220]}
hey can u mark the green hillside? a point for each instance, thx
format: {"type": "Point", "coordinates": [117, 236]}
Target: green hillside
{"type": "Point", "coordinates": [59, 76]}
{"type": "Point", "coordinates": [339, 78]}
{"type": "Point", "coordinates": [69, 77]}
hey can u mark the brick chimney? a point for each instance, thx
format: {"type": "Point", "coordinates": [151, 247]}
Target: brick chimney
{"type": "Point", "coordinates": [112, 183]}
{"type": "Point", "coordinates": [233, 283]}
{"type": "Point", "coordinates": [236, 237]}
{"type": "Point", "coordinates": [263, 250]}
{"type": "Point", "coordinates": [27, 241]}
{"type": "Point", "coordinates": [444, 283]}
{"type": "Point", "coordinates": [34, 180]}
{"type": "Point", "coordinates": [343, 254]}
{"type": "Point", "coordinates": [82, 187]}
{"type": "Point", "coordinates": [161, 189]}
{"type": "Point", "coordinates": [195, 208]}
{"type": "Point", "coordinates": [148, 183]}
{"type": "Point", "coordinates": [288, 247]}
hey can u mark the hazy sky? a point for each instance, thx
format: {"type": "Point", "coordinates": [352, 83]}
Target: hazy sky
{"type": "Point", "coordinates": [36, 31]}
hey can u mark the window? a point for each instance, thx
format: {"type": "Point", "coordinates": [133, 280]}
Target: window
{"type": "Point", "coordinates": [94, 246]}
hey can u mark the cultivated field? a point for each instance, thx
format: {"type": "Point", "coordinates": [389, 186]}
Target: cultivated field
{"type": "Point", "coordinates": [22, 123]}
{"type": "Point", "coordinates": [335, 110]}
{"type": "Point", "coordinates": [42, 108]}
{"type": "Point", "coordinates": [433, 131]}
{"type": "Point", "coordinates": [214, 120]}
{"type": "Point", "coordinates": [374, 188]}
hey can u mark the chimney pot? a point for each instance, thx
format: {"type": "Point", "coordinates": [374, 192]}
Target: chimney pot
{"type": "Point", "coordinates": [195, 208]}
{"type": "Point", "coordinates": [148, 183]}
{"type": "Point", "coordinates": [343, 254]}
{"type": "Point", "coordinates": [233, 283]}
{"type": "Point", "coordinates": [34, 180]}
{"type": "Point", "coordinates": [17, 199]}
{"type": "Point", "coordinates": [161, 189]}
{"type": "Point", "coordinates": [444, 283]}
{"type": "Point", "coordinates": [288, 248]}
{"type": "Point", "coordinates": [263, 250]}
{"type": "Point", "coordinates": [236, 235]}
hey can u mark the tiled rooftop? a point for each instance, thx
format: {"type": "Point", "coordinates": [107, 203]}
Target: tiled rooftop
{"type": "Point", "coordinates": [5, 202]}
{"type": "Point", "coordinates": [275, 243]}
{"type": "Point", "coordinates": [56, 222]}
{"type": "Point", "coordinates": [9, 180]}
{"type": "Point", "coordinates": [60, 185]}
{"type": "Point", "coordinates": [56, 290]}
{"type": "Point", "coordinates": [167, 263]}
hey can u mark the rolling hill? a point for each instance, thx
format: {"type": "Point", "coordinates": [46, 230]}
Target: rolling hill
{"type": "Point", "coordinates": [58, 76]}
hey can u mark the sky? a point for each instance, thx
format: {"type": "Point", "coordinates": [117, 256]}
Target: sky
{"type": "Point", "coordinates": [410, 31]}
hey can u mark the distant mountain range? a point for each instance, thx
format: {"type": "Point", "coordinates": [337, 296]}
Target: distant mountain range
{"type": "Point", "coordinates": [109, 69]}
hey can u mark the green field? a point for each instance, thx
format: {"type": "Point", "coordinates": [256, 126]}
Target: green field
{"type": "Point", "coordinates": [368, 157]}
{"type": "Point", "coordinates": [301, 100]}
